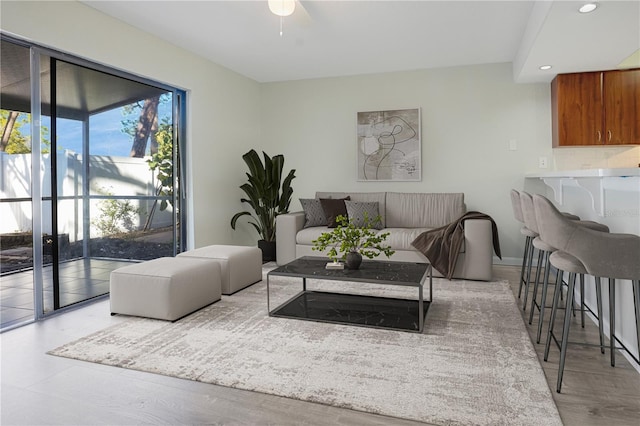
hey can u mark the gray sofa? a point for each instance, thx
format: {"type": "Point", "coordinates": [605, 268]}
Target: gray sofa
{"type": "Point", "coordinates": [404, 216]}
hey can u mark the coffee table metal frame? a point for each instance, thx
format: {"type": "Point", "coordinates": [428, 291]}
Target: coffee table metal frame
{"type": "Point", "coordinates": [361, 275]}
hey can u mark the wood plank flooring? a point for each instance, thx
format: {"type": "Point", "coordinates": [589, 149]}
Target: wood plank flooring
{"type": "Point", "coordinates": [593, 392]}
{"type": "Point", "coordinates": [40, 389]}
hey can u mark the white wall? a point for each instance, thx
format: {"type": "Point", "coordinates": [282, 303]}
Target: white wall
{"type": "Point", "coordinates": [469, 114]}
{"type": "Point", "coordinates": [223, 106]}
{"type": "Point", "coordinates": [108, 174]}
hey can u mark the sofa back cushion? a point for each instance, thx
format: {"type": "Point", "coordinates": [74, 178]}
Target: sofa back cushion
{"type": "Point", "coordinates": [423, 210]}
{"type": "Point", "coordinates": [369, 197]}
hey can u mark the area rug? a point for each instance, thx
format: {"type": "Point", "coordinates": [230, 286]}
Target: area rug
{"type": "Point", "coordinates": [473, 364]}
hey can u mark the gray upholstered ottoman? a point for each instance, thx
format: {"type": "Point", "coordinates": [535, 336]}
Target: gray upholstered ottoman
{"type": "Point", "coordinates": [167, 288]}
{"type": "Point", "coordinates": [240, 266]}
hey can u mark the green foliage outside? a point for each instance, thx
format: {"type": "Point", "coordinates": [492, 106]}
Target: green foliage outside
{"type": "Point", "coordinates": [18, 142]}
{"type": "Point", "coordinates": [131, 115]}
{"type": "Point", "coordinates": [162, 162]}
{"type": "Point", "coordinates": [116, 216]}
{"type": "Point", "coordinates": [346, 237]}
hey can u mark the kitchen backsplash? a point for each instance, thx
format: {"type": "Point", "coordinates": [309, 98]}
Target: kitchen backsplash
{"type": "Point", "coordinates": [595, 158]}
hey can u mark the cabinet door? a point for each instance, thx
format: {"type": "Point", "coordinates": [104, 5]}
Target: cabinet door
{"type": "Point", "coordinates": [621, 90]}
{"type": "Point", "coordinates": [577, 109]}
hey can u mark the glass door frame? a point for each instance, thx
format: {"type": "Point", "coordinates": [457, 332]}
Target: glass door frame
{"type": "Point", "coordinates": [180, 213]}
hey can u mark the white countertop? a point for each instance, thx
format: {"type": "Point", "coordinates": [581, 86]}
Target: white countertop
{"type": "Point", "coordinates": [594, 181]}
{"type": "Point", "coordinates": [621, 172]}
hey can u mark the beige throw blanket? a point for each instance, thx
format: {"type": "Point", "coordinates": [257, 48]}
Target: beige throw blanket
{"type": "Point", "coordinates": [442, 245]}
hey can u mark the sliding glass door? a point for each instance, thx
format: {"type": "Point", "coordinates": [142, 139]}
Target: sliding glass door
{"type": "Point", "coordinates": [16, 237]}
{"type": "Point", "coordinates": [107, 187]}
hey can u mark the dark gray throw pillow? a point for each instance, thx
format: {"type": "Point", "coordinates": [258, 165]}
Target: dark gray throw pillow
{"type": "Point", "coordinates": [313, 212]}
{"type": "Point", "coordinates": [357, 210]}
{"type": "Point", "coordinates": [333, 208]}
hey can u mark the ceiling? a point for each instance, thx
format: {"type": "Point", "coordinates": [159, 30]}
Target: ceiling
{"type": "Point", "coordinates": [80, 91]}
{"type": "Point", "coordinates": [337, 38]}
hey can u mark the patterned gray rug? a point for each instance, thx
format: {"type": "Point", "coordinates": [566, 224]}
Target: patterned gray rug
{"type": "Point", "coordinates": [473, 364]}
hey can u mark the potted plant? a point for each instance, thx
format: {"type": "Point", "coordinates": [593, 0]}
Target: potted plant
{"type": "Point", "coordinates": [353, 242]}
{"type": "Point", "coordinates": [268, 196]}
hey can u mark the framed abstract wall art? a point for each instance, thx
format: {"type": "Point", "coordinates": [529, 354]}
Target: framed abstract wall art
{"type": "Point", "coordinates": [389, 145]}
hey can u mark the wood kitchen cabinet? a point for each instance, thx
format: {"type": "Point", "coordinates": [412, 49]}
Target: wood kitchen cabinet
{"type": "Point", "coordinates": [596, 108]}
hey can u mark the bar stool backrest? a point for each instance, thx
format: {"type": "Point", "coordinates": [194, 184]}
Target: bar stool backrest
{"type": "Point", "coordinates": [554, 228]}
{"type": "Point", "coordinates": [528, 212]}
{"type": "Point", "coordinates": [517, 206]}
{"type": "Point", "coordinates": [603, 254]}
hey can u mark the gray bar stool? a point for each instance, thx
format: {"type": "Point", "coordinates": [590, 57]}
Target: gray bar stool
{"type": "Point", "coordinates": [545, 249]}
{"type": "Point", "coordinates": [529, 230]}
{"type": "Point", "coordinates": [526, 203]}
{"type": "Point", "coordinates": [601, 254]}
{"type": "Point", "coordinates": [529, 235]}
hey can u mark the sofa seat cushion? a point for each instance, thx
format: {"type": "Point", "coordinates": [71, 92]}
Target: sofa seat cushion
{"type": "Point", "coordinates": [398, 239]}
{"type": "Point", "coordinates": [307, 235]}
{"type": "Point", "coordinates": [401, 238]}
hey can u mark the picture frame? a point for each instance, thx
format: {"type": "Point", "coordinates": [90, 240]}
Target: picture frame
{"type": "Point", "coordinates": [389, 145]}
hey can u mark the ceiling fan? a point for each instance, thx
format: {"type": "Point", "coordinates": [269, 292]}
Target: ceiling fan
{"type": "Point", "coordinates": [284, 8]}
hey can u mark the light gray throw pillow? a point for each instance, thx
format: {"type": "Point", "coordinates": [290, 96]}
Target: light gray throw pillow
{"type": "Point", "coordinates": [356, 211]}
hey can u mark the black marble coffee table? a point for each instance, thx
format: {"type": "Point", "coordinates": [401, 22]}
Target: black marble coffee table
{"type": "Point", "coordinates": [352, 309]}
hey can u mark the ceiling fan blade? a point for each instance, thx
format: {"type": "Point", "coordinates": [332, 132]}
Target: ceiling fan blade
{"type": "Point", "coordinates": [302, 13]}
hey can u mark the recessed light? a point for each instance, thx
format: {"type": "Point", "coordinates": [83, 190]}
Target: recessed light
{"type": "Point", "coordinates": [588, 7]}
{"type": "Point", "coordinates": [545, 67]}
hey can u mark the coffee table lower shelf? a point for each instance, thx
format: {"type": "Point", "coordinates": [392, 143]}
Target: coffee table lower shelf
{"type": "Point", "coordinates": [352, 309]}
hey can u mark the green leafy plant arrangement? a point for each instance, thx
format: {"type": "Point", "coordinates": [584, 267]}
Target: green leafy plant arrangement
{"type": "Point", "coordinates": [267, 194]}
{"type": "Point", "coordinates": [348, 238]}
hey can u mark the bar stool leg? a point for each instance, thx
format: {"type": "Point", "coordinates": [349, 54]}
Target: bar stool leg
{"type": "Point", "coordinates": [541, 255]}
{"type": "Point", "coordinates": [636, 304]}
{"type": "Point", "coordinates": [543, 302]}
{"type": "Point", "coordinates": [582, 300]}
{"type": "Point", "coordinates": [527, 242]}
{"type": "Point", "coordinates": [561, 284]}
{"type": "Point", "coordinates": [600, 317]}
{"type": "Point", "coordinates": [565, 331]}
{"type": "Point", "coordinates": [526, 288]}
{"type": "Point", "coordinates": [554, 310]}
{"type": "Point", "coordinates": [573, 303]}
{"type": "Point", "coordinates": [612, 320]}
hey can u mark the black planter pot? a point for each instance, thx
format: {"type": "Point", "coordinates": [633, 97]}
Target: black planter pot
{"type": "Point", "coordinates": [268, 250]}
{"type": "Point", "coordinates": [353, 260]}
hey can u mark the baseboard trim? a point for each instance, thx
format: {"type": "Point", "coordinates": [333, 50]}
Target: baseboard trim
{"type": "Point", "coordinates": [511, 261]}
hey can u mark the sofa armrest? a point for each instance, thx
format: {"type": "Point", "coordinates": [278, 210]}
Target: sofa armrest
{"type": "Point", "coordinates": [287, 227]}
{"type": "Point", "coordinates": [478, 253]}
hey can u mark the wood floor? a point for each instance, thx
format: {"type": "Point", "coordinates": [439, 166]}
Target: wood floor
{"type": "Point", "coordinates": [593, 392]}
{"type": "Point", "coordinates": [40, 389]}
